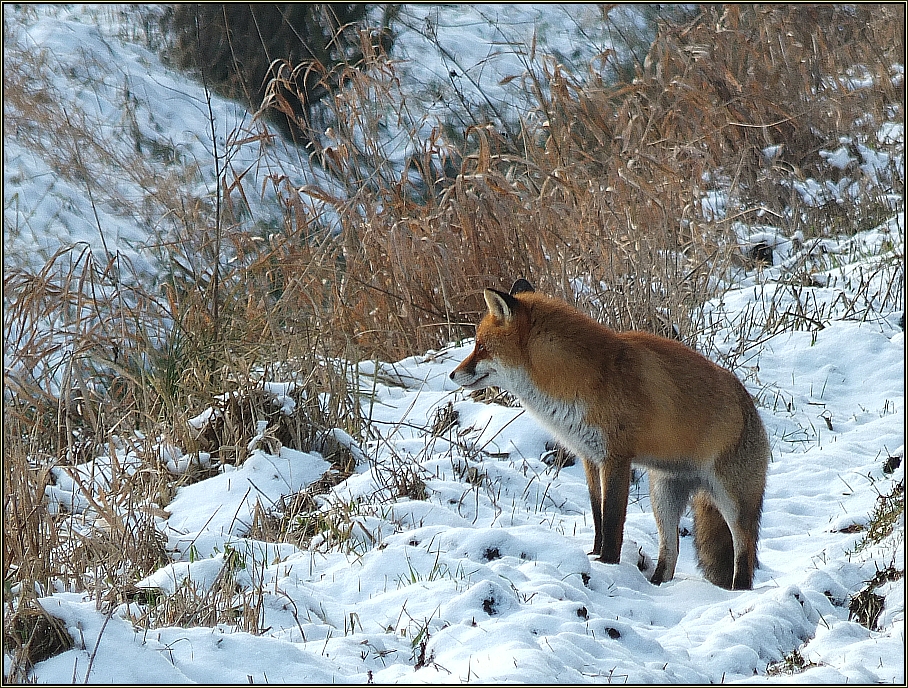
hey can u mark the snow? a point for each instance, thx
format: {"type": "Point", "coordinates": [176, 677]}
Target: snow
{"type": "Point", "coordinates": [223, 504]}
{"type": "Point", "coordinates": [493, 574]}
{"type": "Point", "coordinates": [484, 51]}
{"type": "Point", "coordinates": [487, 578]}
{"type": "Point", "coordinates": [131, 104]}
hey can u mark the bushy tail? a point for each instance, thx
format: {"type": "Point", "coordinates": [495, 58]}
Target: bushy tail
{"type": "Point", "coordinates": [712, 540]}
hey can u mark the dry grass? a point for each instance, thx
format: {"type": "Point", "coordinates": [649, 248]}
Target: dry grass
{"type": "Point", "coordinates": [33, 635]}
{"type": "Point", "coordinates": [602, 206]}
{"type": "Point", "coordinates": [612, 188]}
{"type": "Point", "coordinates": [792, 664]}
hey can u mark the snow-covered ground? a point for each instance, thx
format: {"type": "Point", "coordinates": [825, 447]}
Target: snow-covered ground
{"type": "Point", "coordinates": [491, 571]}
{"type": "Point", "coordinates": [487, 577]}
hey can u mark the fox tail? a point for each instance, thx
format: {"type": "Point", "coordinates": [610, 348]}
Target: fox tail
{"type": "Point", "coordinates": [713, 543]}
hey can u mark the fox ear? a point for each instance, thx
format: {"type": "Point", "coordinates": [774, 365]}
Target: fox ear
{"type": "Point", "coordinates": [501, 305]}
{"type": "Point", "coordinates": [521, 286]}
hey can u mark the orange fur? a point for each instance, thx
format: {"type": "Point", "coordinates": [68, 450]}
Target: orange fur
{"type": "Point", "coordinates": [616, 398]}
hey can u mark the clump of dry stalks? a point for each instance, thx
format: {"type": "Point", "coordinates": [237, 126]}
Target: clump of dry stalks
{"type": "Point", "coordinates": [610, 191]}
{"type": "Point", "coordinates": [603, 206]}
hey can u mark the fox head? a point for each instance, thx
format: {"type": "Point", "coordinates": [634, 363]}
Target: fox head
{"type": "Point", "coordinates": [499, 344]}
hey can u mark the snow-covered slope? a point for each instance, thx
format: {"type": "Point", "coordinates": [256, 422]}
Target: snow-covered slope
{"type": "Point", "coordinates": [118, 148]}
{"type": "Point", "coordinates": [487, 578]}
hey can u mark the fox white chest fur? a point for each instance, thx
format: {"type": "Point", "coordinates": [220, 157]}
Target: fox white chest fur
{"type": "Point", "coordinates": [565, 419]}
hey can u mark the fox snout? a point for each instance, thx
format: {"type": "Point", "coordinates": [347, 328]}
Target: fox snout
{"type": "Point", "coordinates": [468, 375]}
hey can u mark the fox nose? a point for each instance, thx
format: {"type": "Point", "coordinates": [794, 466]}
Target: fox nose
{"type": "Point", "coordinates": [451, 375]}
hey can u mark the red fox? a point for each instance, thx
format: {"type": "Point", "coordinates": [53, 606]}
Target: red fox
{"type": "Point", "coordinates": [617, 398]}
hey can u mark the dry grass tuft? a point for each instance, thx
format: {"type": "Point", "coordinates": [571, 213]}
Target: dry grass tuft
{"type": "Point", "coordinates": [792, 664]}
{"type": "Point", "coordinates": [32, 635]}
{"type": "Point", "coordinates": [228, 599]}
{"type": "Point", "coordinates": [866, 606]}
{"type": "Point", "coordinates": [103, 376]}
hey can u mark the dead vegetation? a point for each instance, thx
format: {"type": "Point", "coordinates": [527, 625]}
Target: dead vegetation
{"type": "Point", "coordinates": [602, 198]}
{"type": "Point", "coordinates": [612, 186]}
{"type": "Point", "coordinates": [33, 635]}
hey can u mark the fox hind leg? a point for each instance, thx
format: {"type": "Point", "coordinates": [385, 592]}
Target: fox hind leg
{"type": "Point", "coordinates": [669, 496]}
{"type": "Point", "coordinates": [725, 534]}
